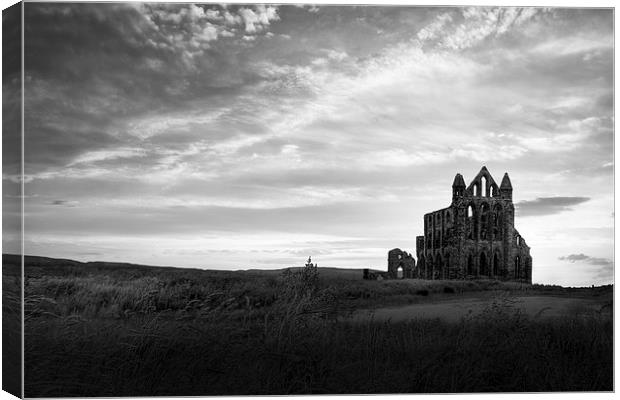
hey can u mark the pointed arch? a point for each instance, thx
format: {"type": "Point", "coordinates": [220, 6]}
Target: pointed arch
{"type": "Point", "coordinates": [470, 265]}
{"type": "Point", "coordinates": [497, 221]}
{"type": "Point", "coordinates": [438, 270]}
{"type": "Point", "coordinates": [496, 263]}
{"type": "Point", "coordinates": [483, 185]}
{"type": "Point", "coordinates": [448, 219]}
{"type": "Point", "coordinates": [527, 270]}
{"type": "Point", "coordinates": [428, 271]}
{"type": "Point", "coordinates": [484, 221]}
{"type": "Point", "coordinates": [472, 221]}
{"type": "Point", "coordinates": [483, 265]}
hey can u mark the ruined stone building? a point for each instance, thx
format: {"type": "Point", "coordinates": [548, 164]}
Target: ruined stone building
{"type": "Point", "coordinates": [474, 237]}
{"type": "Point", "coordinates": [400, 264]}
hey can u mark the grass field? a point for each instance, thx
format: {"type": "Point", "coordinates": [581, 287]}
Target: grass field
{"type": "Point", "coordinates": [101, 329]}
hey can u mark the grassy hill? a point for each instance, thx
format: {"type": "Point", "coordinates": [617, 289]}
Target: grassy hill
{"type": "Point", "coordinates": [34, 262]}
{"type": "Point", "coordinates": [116, 329]}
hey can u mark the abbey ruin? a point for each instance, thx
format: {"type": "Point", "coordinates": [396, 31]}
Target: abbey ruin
{"type": "Point", "coordinates": [473, 238]}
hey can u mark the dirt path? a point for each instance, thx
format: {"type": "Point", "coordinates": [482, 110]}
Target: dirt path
{"type": "Point", "coordinates": [454, 309]}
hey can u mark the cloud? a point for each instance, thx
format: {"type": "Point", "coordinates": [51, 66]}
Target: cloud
{"type": "Point", "coordinates": [162, 120]}
{"type": "Point", "coordinates": [432, 30]}
{"type": "Point", "coordinates": [105, 155]}
{"type": "Point", "coordinates": [383, 108]}
{"type": "Point", "coordinates": [259, 18]}
{"type": "Point", "coordinates": [474, 25]}
{"type": "Point", "coordinates": [336, 55]}
{"type": "Point", "coordinates": [189, 30]}
{"type": "Point", "coordinates": [548, 205]}
{"type": "Point", "coordinates": [605, 266]}
{"type": "Point", "coordinates": [584, 258]}
{"type": "Point", "coordinates": [146, 126]}
{"type": "Point", "coordinates": [66, 203]}
{"type": "Point", "coordinates": [588, 47]}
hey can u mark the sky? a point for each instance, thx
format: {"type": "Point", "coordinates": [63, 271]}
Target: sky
{"type": "Point", "coordinates": [254, 136]}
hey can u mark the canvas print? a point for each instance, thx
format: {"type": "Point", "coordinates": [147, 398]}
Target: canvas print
{"type": "Point", "coordinates": [205, 199]}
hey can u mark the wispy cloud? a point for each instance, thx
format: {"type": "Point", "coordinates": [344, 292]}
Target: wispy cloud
{"type": "Point", "coordinates": [459, 31]}
{"type": "Point", "coordinates": [107, 155]}
{"type": "Point", "coordinates": [548, 205]}
{"type": "Point", "coordinates": [65, 203]}
{"type": "Point", "coordinates": [177, 119]}
{"type": "Point", "coordinates": [604, 266]}
{"type": "Point", "coordinates": [586, 259]}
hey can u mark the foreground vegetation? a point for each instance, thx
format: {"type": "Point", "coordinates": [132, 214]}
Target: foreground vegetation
{"type": "Point", "coordinates": [107, 330]}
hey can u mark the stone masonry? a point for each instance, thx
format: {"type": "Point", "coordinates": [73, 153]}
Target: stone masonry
{"type": "Point", "coordinates": [475, 236]}
{"type": "Point", "coordinates": [400, 260]}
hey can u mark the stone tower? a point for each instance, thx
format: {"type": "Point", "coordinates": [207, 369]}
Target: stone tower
{"type": "Point", "coordinates": [474, 237]}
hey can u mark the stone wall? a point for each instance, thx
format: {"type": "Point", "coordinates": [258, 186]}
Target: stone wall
{"type": "Point", "coordinates": [400, 264]}
{"type": "Point", "coordinates": [475, 236]}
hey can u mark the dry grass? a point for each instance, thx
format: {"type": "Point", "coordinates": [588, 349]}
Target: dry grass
{"type": "Point", "coordinates": [11, 330]}
{"type": "Point", "coordinates": [109, 331]}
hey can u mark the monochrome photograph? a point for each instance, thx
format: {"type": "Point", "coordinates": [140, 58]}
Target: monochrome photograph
{"type": "Point", "coordinates": [212, 199]}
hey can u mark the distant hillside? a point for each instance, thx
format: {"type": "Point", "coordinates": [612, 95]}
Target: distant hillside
{"type": "Point", "coordinates": [327, 272]}
{"type": "Point", "coordinates": [51, 263]}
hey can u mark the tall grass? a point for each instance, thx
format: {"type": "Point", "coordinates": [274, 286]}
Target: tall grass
{"type": "Point", "coordinates": [306, 354]}
{"type": "Point", "coordinates": [11, 329]}
{"type": "Point", "coordinates": [130, 333]}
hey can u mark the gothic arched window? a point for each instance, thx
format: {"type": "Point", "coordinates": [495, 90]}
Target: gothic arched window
{"type": "Point", "coordinates": [484, 221]}
{"type": "Point", "coordinates": [470, 265]}
{"type": "Point", "coordinates": [438, 270]}
{"type": "Point", "coordinates": [497, 222]}
{"type": "Point", "coordinates": [429, 268]}
{"type": "Point", "coordinates": [483, 265]}
{"type": "Point", "coordinates": [471, 223]}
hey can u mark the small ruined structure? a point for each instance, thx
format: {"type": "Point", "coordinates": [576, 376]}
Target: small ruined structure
{"type": "Point", "coordinates": [475, 236]}
{"type": "Point", "coordinates": [400, 264]}
{"type": "Point", "coordinates": [375, 275]}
